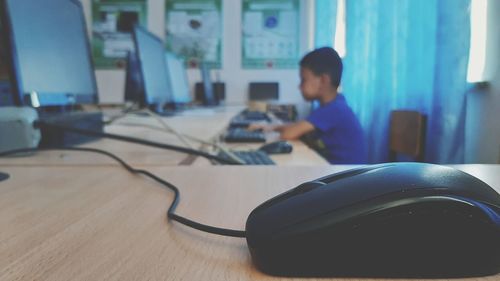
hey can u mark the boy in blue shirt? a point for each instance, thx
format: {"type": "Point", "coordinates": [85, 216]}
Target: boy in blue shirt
{"type": "Point", "coordinates": [333, 127]}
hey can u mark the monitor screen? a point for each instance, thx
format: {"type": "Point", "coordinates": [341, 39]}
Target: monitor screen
{"type": "Point", "coordinates": [50, 52]}
{"type": "Point", "coordinates": [209, 98]}
{"type": "Point", "coordinates": [151, 54]}
{"type": "Point", "coordinates": [178, 79]}
{"type": "Point", "coordinates": [264, 91]}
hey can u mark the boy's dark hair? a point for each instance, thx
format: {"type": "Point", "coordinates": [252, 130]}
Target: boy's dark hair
{"type": "Point", "coordinates": [324, 61]}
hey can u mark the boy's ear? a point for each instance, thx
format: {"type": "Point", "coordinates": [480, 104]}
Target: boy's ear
{"type": "Point", "coordinates": [325, 79]}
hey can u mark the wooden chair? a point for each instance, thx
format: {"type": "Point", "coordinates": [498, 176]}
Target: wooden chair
{"type": "Point", "coordinates": [407, 134]}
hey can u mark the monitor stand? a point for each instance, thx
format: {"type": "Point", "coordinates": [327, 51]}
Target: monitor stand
{"type": "Point", "coordinates": [162, 110]}
{"type": "Point", "coordinates": [3, 176]}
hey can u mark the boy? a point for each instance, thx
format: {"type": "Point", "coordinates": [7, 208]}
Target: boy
{"type": "Point", "coordinates": [334, 129]}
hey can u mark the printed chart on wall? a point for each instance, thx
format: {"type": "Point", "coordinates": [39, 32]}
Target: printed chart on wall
{"type": "Point", "coordinates": [194, 30]}
{"type": "Point", "coordinates": [270, 36]}
{"type": "Point", "coordinates": [112, 24]}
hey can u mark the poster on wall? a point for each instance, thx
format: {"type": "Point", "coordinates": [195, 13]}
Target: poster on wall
{"type": "Point", "coordinates": [270, 34]}
{"type": "Point", "coordinates": [112, 24]}
{"type": "Point", "coordinates": [194, 31]}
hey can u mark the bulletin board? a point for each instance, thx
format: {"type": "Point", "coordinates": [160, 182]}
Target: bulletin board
{"type": "Point", "coordinates": [194, 31]}
{"type": "Point", "coordinates": [112, 25]}
{"type": "Point", "coordinates": [270, 34]}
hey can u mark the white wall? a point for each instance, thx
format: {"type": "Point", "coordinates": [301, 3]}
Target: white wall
{"type": "Point", "coordinates": [483, 107]}
{"type": "Point", "coordinates": [111, 82]}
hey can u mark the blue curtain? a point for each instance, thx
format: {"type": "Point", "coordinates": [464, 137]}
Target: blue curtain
{"type": "Point", "coordinates": [325, 22]}
{"type": "Point", "coordinates": [409, 54]}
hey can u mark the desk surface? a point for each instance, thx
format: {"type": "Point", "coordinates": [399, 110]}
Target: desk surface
{"type": "Point", "coordinates": [102, 223]}
{"type": "Point", "coordinates": [204, 124]}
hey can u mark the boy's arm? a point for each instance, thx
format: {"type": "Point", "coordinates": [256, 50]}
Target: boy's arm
{"type": "Point", "coordinates": [291, 131]}
{"type": "Point", "coordinates": [295, 130]}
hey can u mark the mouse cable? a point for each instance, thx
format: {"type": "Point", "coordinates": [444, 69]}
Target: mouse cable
{"type": "Point", "coordinates": [48, 125]}
{"type": "Point", "coordinates": [171, 210]}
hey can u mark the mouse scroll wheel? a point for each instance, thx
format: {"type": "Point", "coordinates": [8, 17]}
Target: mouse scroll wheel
{"type": "Point", "coordinates": [308, 186]}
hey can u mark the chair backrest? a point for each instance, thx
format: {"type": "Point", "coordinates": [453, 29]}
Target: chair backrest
{"type": "Point", "coordinates": [407, 134]}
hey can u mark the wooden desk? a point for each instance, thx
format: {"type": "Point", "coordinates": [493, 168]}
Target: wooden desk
{"type": "Point", "coordinates": [101, 223]}
{"type": "Point", "coordinates": [204, 124]}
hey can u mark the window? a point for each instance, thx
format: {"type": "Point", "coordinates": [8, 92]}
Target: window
{"type": "Point", "coordinates": [339, 40]}
{"type": "Point", "coordinates": [477, 53]}
{"type": "Point", "coordinates": [330, 26]}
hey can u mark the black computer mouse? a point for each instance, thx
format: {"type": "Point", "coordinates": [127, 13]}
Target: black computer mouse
{"type": "Point", "coordinates": [388, 220]}
{"type": "Point", "coordinates": [277, 147]}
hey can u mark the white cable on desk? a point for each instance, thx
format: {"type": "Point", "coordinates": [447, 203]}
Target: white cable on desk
{"type": "Point", "coordinates": [181, 136]}
{"type": "Point", "coordinates": [167, 127]}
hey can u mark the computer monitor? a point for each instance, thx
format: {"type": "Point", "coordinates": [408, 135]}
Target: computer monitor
{"type": "Point", "coordinates": [51, 62]}
{"type": "Point", "coordinates": [5, 94]}
{"type": "Point", "coordinates": [134, 90]}
{"type": "Point", "coordinates": [261, 91]}
{"type": "Point", "coordinates": [209, 98]}
{"type": "Point", "coordinates": [155, 80]}
{"type": "Point", "coordinates": [178, 79]}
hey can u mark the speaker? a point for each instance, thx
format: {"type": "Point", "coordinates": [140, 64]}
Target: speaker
{"type": "Point", "coordinates": [16, 128]}
{"type": "Point", "coordinates": [219, 89]}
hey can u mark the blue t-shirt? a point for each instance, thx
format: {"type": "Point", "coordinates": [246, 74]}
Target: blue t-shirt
{"type": "Point", "coordinates": [338, 134]}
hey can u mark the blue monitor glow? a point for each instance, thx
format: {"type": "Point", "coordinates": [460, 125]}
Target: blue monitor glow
{"type": "Point", "coordinates": [151, 54]}
{"type": "Point", "coordinates": [51, 61]}
{"type": "Point", "coordinates": [178, 79]}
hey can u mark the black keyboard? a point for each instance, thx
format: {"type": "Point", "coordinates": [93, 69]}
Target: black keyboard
{"type": "Point", "coordinates": [242, 135]}
{"type": "Point", "coordinates": [246, 117]}
{"type": "Point", "coordinates": [254, 115]}
{"type": "Point", "coordinates": [251, 157]}
{"type": "Point", "coordinates": [241, 123]}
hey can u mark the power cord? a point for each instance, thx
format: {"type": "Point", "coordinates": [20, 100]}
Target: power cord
{"type": "Point", "coordinates": [171, 210]}
{"type": "Point", "coordinates": [48, 125]}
